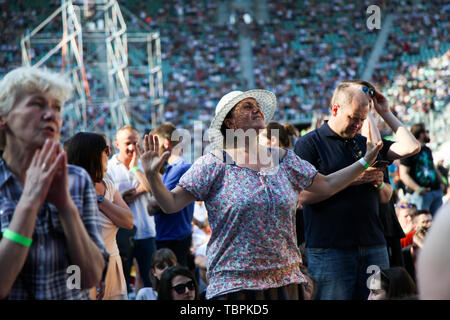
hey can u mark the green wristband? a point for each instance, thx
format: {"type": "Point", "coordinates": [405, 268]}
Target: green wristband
{"type": "Point", "coordinates": [381, 187]}
{"type": "Point", "coordinates": [17, 238]}
{"type": "Point", "coordinates": [134, 169]}
{"type": "Point", "coordinates": [364, 163]}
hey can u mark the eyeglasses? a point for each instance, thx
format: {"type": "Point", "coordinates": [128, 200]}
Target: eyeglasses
{"type": "Point", "coordinates": [368, 91]}
{"type": "Point", "coordinates": [181, 288]}
{"type": "Point", "coordinates": [404, 206]}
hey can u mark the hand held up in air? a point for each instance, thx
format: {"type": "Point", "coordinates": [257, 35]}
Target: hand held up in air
{"type": "Point", "coordinates": [150, 158]}
{"type": "Point", "coordinates": [380, 103]}
{"type": "Point", "coordinates": [372, 147]}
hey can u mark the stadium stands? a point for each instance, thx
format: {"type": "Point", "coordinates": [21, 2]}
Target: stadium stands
{"type": "Point", "coordinates": [300, 53]}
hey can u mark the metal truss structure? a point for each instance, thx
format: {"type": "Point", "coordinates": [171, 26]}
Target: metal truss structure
{"type": "Point", "coordinates": [88, 40]}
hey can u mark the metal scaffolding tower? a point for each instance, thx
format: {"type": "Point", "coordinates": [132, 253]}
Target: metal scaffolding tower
{"type": "Point", "coordinates": [88, 40]}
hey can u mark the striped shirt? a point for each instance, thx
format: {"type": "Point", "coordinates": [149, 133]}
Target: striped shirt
{"type": "Point", "coordinates": [46, 274]}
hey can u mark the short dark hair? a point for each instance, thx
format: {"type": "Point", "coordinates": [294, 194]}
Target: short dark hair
{"type": "Point", "coordinates": [417, 129]}
{"type": "Point", "coordinates": [161, 258]}
{"type": "Point", "coordinates": [286, 133]}
{"type": "Point", "coordinates": [85, 150]}
{"type": "Point", "coordinates": [166, 130]}
{"type": "Point", "coordinates": [165, 283]}
{"type": "Point", "coordinates": [397, 283]}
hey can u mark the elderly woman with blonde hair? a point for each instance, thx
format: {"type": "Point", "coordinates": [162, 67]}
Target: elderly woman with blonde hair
{"type": "Point", "coordinates": [51, 246]}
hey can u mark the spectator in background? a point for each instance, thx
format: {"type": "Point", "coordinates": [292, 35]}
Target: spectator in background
{"type": "Point", "coordinates": [173, 231]}
{"type": "Point", "coordinates": [410, 253]}
{"type": "Point", "coordinates": [48, 209]}
{"type": "Point", "coordinates": [443, 169]}
{"type": "Point", "coordinates": [446, 197]}
{"type": "Point", "coordinates": [405, 213]}
{"type": "Point", "coordinates": [420, 175]}
{"type": "Point", "coordinates": [279, 135]}
{"type": "Point", "coordinates": [392, 284]}
{"type": "Point", "coordinates": [161, 260]}
{"type": "Point", "coordinates": [433, 262]}
{"type": "Point", "coordinates": [177, 283]}
{"type": "Point", "coordinates": [421, 218]}
{"type": "Point", "coordinates": [90, 151]}
{"type": "Point", "coordinates": [126, 172]}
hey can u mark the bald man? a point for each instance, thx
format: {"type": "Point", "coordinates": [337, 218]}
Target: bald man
{"type": "Point", "coordinates": [343, 234]}
{"type": "Point", "coordinates": [433, 265]}
{"type": "Point", "coordinates": [125, 170]}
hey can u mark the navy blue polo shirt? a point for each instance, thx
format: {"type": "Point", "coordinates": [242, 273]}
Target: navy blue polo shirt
{"type": "Point", "coordinates": [174, 226]}
{"type": "Point", "coordinates": [349, 218]}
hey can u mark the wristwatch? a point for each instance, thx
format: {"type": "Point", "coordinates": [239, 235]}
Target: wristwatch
{"type": "Point", "coordinates": [100, 198]}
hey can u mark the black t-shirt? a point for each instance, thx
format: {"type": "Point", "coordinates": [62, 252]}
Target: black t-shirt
{"type": "Point", "coordinates": [350, 218]}
{"type": "Point", "coordinates": [421, 169]}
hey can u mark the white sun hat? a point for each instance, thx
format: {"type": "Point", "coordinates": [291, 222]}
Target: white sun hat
{"type": "Point", "coordinates": [266, 100]}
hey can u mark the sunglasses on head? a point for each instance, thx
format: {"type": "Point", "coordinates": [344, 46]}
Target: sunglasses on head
{"type": "Point", "coordinates": [405, 206]}
{"type": "Point", "coordinates": [368, 91]}
{"type": "Point", "coordinates": [181, 288]}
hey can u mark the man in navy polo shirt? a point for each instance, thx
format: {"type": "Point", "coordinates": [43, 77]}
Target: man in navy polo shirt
{"type": "Point", "coordinates": [343, 234]}
{"type": "Point", "coordinates": [174, 230]}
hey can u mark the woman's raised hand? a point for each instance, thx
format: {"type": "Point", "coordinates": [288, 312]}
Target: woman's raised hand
{"type": "Point", "coordinates": [373, 147]}
{"type": "Point", "coordinates": [151, 160]}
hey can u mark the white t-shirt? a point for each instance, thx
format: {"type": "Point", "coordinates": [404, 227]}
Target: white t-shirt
{"type": "Point", "coordinates": [200, 212]}
{"type": "Point", "coordinates": [147, 294]}
{"type": "Point", "coordinates": [126, 180]}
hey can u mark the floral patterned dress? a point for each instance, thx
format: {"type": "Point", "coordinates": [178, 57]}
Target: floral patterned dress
{"type": "Point", "coordinates": [253, 244]}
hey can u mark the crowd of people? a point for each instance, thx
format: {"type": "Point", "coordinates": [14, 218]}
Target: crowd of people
{"type": "Point", "coordinates": [76, 208]}
{"type": "Point", "coordinates": [299, 53]}
{"type": "Point", "coordinates": [149, 225]}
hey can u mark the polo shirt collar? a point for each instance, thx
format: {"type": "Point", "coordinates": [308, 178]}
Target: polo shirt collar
{"type": "Point", "coordinates": [116, 160]}
{"type": "Point", "coordinates": [326, 131]}
{"type": "Point", "coordinates": [179, 161]}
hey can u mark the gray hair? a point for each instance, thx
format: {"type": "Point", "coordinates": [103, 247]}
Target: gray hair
{"type": "Point", "coordinates": [27, 80]}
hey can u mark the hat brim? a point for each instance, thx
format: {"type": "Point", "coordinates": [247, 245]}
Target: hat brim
{"type": "Point", "coordinates": [266, 100]}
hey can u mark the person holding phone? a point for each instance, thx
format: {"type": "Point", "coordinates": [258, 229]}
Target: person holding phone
{"type": "Point", "coordinates": [343, 233]}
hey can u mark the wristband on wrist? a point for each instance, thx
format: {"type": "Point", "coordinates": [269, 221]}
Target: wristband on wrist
{"type": "Point", "coordinates": [364, 163]}
{"type": "Point", "coordinates": [134, 169]}
{"type": "Point", "coordinates": [381, 187]}
{"type": "Point", "coordinates": [17, 238]}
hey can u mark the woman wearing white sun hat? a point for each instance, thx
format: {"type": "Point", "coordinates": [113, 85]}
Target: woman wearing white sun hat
{"type": "Point", "coordinates": [250, 192]}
